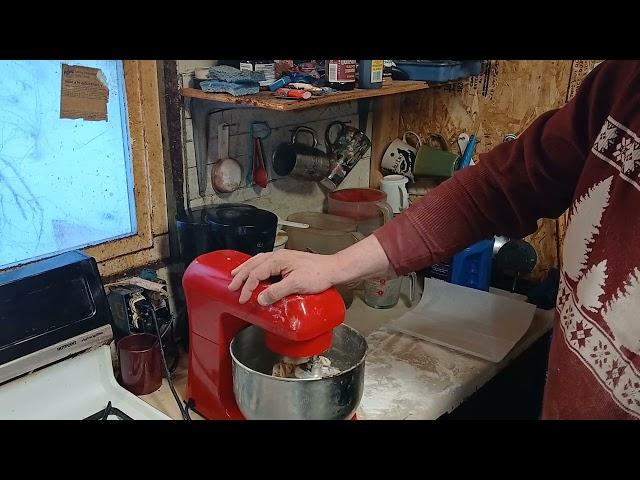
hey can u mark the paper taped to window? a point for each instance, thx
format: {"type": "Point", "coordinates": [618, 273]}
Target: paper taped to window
{"type": "Point", "coordinates": [84, 93]}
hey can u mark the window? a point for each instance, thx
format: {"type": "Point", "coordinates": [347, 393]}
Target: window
{"type": "Point", "coordinates": [64, 183]}
{"type": "Point", "coordinates": [72, 183]}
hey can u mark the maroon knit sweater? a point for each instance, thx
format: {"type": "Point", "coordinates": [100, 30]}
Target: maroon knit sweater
{"type": "Point", "coordinates": [586, 157]}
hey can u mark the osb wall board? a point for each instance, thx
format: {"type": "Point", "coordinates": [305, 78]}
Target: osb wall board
{"type": "Point", "coordinates": [505, 98]}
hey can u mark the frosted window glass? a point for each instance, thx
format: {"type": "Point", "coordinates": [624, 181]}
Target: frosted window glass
{"type": "Point", "coordinates": [64, 184]}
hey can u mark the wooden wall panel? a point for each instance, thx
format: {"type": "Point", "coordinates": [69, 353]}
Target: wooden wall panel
{"type": "Point", "coordinates": [386, 118]}
{"type": "Point", "coordinates": [504, 99]}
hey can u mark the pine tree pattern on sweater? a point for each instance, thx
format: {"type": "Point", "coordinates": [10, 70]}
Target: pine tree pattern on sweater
{"type": "Point", "coordinates": [600, 318]}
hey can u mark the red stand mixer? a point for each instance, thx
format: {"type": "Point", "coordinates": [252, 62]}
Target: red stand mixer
{"type": "Point", "coordinates": [294, 327]}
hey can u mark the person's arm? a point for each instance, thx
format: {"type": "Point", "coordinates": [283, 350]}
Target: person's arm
{"type": "Point", "coordinates": [514, 185]}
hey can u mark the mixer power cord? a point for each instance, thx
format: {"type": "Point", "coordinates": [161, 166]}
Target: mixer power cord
{"type": "Point", "coordinates": [183, 411]}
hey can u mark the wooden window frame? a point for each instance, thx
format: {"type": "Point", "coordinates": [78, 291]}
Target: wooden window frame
{"type": "Point", "coordinates": [150, 243]}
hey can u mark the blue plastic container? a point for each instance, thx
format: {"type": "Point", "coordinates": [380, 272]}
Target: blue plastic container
{"type": "Point", "coordinates": [472, 67]}
{"type": "Point", "coordinates": [472, 266]}
{"type": "Point", "coordinates": [439, 71]}
{"type": "Point", "coordinates": [430, 70]}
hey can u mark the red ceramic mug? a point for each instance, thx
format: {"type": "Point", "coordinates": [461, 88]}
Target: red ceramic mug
{"type": "Point", "coordinates": [140, 363]}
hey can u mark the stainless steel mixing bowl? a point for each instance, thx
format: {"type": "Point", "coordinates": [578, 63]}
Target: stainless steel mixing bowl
{"type": "Point", "coordinates": [261, 396]}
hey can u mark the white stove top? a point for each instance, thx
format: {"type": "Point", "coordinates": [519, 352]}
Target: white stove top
{"type": "Point", "coordinates": [73, 389]}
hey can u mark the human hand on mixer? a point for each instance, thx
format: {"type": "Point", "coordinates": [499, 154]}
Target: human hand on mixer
{"type": "Point", "coordinates": [308, 272]}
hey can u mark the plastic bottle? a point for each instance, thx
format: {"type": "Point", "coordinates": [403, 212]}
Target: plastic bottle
{"type": "Point", "coordinates": [292, 93]}
{"type": "Point", "coordinates": [281, 82]}
{"type": "Point", "coordinates": [370, 73]}
{"type": "Point", "coordinates": [341, 74]}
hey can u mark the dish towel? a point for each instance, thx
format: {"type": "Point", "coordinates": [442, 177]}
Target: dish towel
{"type": "Point", "coordinates": [235, 89]}
{"type": "Point", "coordinates": [225, 73]}
{"type": "Point", "coordinates": [227, 79]}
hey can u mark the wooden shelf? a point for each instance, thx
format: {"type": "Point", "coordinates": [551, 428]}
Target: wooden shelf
{"type": "Point", "coordinates": [268, 101]}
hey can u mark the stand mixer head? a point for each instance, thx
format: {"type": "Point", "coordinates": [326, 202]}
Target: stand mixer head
{"type": "Point", "coordinates": [296, 329]}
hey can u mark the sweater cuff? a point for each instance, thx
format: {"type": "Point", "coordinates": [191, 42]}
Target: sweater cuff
{"type": "Point", "coordinates": [403, 245]}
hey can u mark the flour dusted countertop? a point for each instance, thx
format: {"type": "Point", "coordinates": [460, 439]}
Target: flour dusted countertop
{"type": "Point", "coordinates": [408, 378]}
{"type": "Point", "coordinates": [411, 379]}
{"type": "Point", "coordinates": [405, 377]}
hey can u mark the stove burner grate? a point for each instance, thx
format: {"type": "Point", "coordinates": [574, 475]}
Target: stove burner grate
{"type": "Point", "coordinates": [108, 411]}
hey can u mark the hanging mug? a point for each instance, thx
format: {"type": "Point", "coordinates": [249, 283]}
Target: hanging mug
{"type": "Point", "coordinates": [400, 156]}
{"type": "Point", "coordinates": [350, 144]}
{"type": "Point", "coordinates": [300, 160]}
{"type": "Point", "coordinates": [347, 149]}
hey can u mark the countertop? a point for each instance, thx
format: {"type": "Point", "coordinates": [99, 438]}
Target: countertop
{"type": "Point", "coordinates": [405, 378]}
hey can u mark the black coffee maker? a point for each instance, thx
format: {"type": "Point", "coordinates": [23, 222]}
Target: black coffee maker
{"type": "Point", "coordinates": [243, 228]}
{"type": "Point", "coordinates": [233, 226]}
